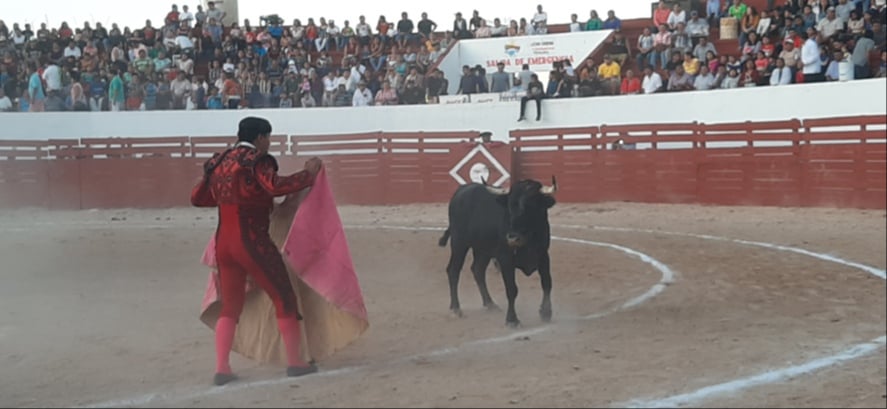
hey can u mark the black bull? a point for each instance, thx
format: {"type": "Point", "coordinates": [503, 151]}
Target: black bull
{"type": "Point", "coordinates": [510, 226]}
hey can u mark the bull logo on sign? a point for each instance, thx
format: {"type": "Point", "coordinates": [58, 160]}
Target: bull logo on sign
{"type": "Point", "coordinates": [479, 173]}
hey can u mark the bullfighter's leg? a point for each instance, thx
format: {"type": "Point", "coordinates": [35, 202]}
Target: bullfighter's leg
{"type": "Point", "coordinates": [479, 268]}
{"type": "Point", "coordinates": [232, 282]}
{"type": "Point", "coordinates": [458, 252]}
{"type": "Point", "coordinates": [545, 278]}
{"type": "Point", "coordinates": [511, 292]}
{"type": "Point", "coordinates": [267, 268]}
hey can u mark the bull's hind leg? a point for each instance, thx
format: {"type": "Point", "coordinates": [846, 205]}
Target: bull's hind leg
{"type": "Point", "coordinates": [479, 269]}
{"type": "Point", "coordinates": [545, 278]}
{"type": "Point", "coordinates": [454, 269]}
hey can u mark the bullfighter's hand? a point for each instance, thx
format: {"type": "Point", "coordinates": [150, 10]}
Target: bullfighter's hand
{"type": "Point", "coordinates": [313, 165]}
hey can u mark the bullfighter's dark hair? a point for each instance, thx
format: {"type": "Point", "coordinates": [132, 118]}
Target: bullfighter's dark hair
{"type": "Point", "coordinates": [251, 128]}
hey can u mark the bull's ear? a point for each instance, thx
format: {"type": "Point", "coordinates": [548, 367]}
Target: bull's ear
{"type": "Point", "coordinates": [548, 201]}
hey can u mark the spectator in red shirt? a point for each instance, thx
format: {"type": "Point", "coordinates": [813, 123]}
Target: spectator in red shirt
{"type": "Point", "coordinates": [630, 84]}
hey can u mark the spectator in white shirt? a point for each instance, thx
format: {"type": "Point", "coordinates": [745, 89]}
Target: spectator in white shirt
{"type": "Point", "coordinates": [362, 96]}
{"type": "Point", "coordinates": [676, 16]}
{"type": "Point", "coordinates": [704, 81]}
{"type": "Point", "coordinates": [185, 17]}
{"type": "Point", "coordinates": [810, 58]}
{"type": "Point", "coordinates": [781, 75]}
{"type": "Point", "coordinates": [52, 76]}
{"type": "Point", "coordinates": [652, 81]}
{"type": "Point", "coordinates": [5, 102]}
{"type": "Point", "coordinates": [831, 24]}
{"type": "Point", "coordinates": [540, 21]}
{"type": "Point", "coordinates": [575, 25]}
{"type": "Point", "coordinates": [72, 50]}
{"type": "Point", "coordinates": [697, 27]}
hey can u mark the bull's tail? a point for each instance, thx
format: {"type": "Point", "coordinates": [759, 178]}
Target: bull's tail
{"type": "Point", "coordinates": [443, 239]}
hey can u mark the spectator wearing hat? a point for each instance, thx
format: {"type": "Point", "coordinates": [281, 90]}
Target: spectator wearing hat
{"type": "Point", "coordinates": [362, 96]}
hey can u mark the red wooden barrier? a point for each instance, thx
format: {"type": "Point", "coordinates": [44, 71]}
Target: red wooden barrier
{"type": "Point", "coordinates": [840, 162]}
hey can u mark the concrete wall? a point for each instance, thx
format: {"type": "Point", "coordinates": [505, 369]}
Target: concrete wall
{"type": "Point", "coordinates": [753, 104]}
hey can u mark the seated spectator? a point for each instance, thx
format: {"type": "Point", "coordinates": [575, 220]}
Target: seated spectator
{"type": "Point", "coordinates": [594, 22]}
{"type": "Point", "coordinates": [645, 48]}
{"type": "Point", "coordinates": [589, 83]}
{"type": "Point", "coordinates": [5, 102]}
{"type": "Point", "coordinates": [703, 48]}
{"type": "Point", "coordinates": [413, 93]}
{"type": "Point", "coordinates": [612, 22]}
{"type": "Point", "coordinates": [618, 49]}
{"type": "Point", "coordinates": [750, 75]}
{"type": "Point", "coordinates": [681, 40]}
{"type": "Point", "coordinates": [387, 95]}
{"type": "Point", "coordinates": [832, 73]}
{"type": "Point", "coordinates": [575, 25]}
{"type": "Point", "coordinates": [830, 25]}
{"type": "Point", "coordinates": [697, 27]}
{"type": "Point", "coordinates": [704, 81]}
{"type": "Point", "coordinates": [662, 46]}
{"type": "Point", "coordinates": [691, 64]}
{"type": "Point", "coordinates": [660, 17]}
{"type": "Point", "coordinates": [652, 82]}
{"type": "Point", "coordinates": [732, 80]}
{"type": "Point", "coordinates": [630, 84]}
{"type": "Point", "coordinates": [535, 93]}
{"type": "Point", "coordinates": [342, 97]}
{"type": "Point", "coordinates": [362, 96]}
{"type": "Point", "coordinates": [781, 75]}
{"type": "Point", "coordinates": [767, 47]}
{"type": "Point", "coordinates": [719, 77]}
{"type": "Point", "coordinates": [610, 74]}
{"type": "Point", "coordinates": [679, 80]}
{"type": "Point", "coordinates": [677, 16]}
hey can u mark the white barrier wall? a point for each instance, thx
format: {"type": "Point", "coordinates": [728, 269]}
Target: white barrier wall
{"type": "Point", "coordinates": [862, 97]}
{"type": "Point", "coordinates": [539, 52]}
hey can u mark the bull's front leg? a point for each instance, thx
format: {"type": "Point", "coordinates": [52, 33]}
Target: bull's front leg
{"type": "Point", "coordinates": [510, 292]}
{"type": "Point", "coordinates": [545, 278]}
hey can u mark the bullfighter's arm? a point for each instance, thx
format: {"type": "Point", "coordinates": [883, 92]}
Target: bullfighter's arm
{"type": "Point", "coordinates": [266, 174]}
{"type": "Point", "coordinates": [201, 195]}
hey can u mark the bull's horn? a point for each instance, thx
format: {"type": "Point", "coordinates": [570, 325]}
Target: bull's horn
{"type": "Point", "coordinates": [549, 190]}
{"type": "Point", "coordinates": [483, 181]}
{"type": "Point", "coordinates": [497, 190]}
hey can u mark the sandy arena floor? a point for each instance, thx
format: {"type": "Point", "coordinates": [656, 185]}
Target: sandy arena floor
{"type": "Point", "coordinates": [100, 308]}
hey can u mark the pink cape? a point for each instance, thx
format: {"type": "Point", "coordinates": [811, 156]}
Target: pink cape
{"type": "Point", "coordinates": [331, 301]}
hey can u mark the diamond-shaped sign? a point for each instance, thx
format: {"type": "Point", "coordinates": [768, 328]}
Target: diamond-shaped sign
{"type": "Point", "coordinates": [480, 163]}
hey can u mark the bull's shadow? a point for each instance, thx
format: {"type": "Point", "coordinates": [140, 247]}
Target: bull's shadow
{"type": "Point", "coordinates": [509, 226]}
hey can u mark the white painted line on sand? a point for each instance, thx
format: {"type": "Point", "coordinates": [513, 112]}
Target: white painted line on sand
{"type": "Point", "coordinates": [667, 277]}
{"type": "Point", "coordinates": [767, 377]}
{"type": "Point", "coordinates": [764, 378]}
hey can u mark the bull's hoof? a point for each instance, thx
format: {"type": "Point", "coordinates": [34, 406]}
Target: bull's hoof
{"type": "Point", "coordinates": [545, 315]}
{"type": "Point", "coordinates": [491, 306]}
{"type": "Point", "coordinates": [294, 371]}
{"type": "Point", "coordinates": [456, 313]}
{"type": "Point", "coordinates": [222, 378]}
{"type": "Point", "coordinates": [513, 324]}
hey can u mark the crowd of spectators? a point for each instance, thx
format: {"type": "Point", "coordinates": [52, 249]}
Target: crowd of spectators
{"type": "Point", "coordinates": [798, 41]}
{"type": "Point", "coordinates": [199, 61]}
{"type": "Point", "coordinates": [195, 61]}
